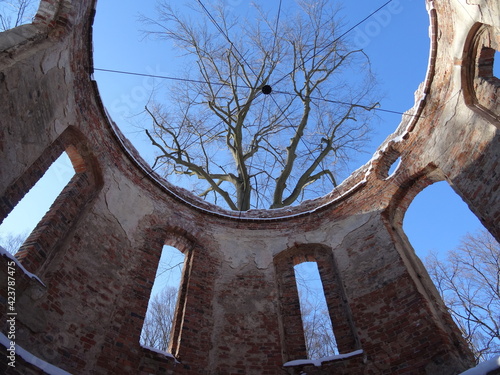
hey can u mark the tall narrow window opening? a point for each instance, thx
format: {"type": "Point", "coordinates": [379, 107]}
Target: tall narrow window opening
{"type": "Point", "coordinates": [29, 211]}
{"type": "Point", "coordinates": [318, 330]}
{"type": "Point", "coordinates": [160, 315]}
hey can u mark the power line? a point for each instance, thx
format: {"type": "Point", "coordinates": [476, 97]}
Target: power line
{"type": "Point", "coordinates": [347, 103]}
{"type": "Point", "coordinates": [338, 38]}
{"type": "Point", "coordinates": [171, 78]}
{"type": "Point", "coordinates": [238, 86]}
{"type": "Point", "coordinates": [286, 75]}
{"type": "Point", "coordinates": [276, 29]}
{"type": "Point", "coordinates": [158, 76]}
{"type": "Point", "coordinates": [214, 21]}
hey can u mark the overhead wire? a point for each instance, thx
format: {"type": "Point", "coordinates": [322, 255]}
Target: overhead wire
{"type": "Point", "coordinates": [237, 86]}
{"type": "Point", "coordinates": [347, 103]}
{"type": "Point", "coordinates": [166, 77]}
{"type": "Point", "coordinates": [221, 30]}
{"type": "Point", "coordinates": [340, 37]}
{"type": "Point", "coordinates": [276, 28]}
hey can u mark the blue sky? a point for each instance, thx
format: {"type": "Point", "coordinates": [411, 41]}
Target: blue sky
{"type": "Point", "coordinates": [396, 39]}
{"type": "Point", "coordinates": [29, 211]}
{"type": "Point", "coordinates": [388, 37]}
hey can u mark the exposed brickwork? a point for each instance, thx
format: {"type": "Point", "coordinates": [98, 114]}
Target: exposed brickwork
{"type": "Point", "coordinates": [98, 248]}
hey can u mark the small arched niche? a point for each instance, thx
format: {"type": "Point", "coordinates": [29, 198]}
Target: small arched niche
{"type": "Point", "coordinates": [388, 163]}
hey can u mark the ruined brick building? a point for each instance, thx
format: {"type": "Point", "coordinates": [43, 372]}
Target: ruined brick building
{"type": "Point", "coordinates": [96, 251]}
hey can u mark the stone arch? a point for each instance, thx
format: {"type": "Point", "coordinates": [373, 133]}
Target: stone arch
{"type": "Point", "coordinates": [393, 218]}
{"type": "Point", "coordinates": [42, 244]}
{"type": "Point", "coordinates": [408, 189]}
{"type": "Point", "coordinates": [394, 215]}
{"type": "Point", "coordinates": [339, 311]}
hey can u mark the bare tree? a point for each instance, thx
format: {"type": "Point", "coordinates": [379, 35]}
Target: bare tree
{"type": "Point", "coordinates": [266, 115]}
{"type": "Point", "coordinates": [469, 282]}
{"type": "Point", "coordinates": [159, 319]}
{"type": "Point", "coordinates": [16, 12]}
{"type": "Point", "coordinates": [318, 330]}
{"type": "Point", "coordinates": [12, 242]}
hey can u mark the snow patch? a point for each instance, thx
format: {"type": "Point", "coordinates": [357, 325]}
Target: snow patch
{"type": "Point", "coordinates": [318, 362]}
{"type": "Point", "coordinates": [484, 367]}
{"type": "Point", "coordinates": [166, 354]}
{"type": "Point", "coordinates": [30, 358]}
{"type": "Point", "coordinates": [12, 257]}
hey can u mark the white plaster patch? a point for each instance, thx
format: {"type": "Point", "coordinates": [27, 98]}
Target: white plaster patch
{"type": "Point", "coordinates": [59, 127]}
{"type": "Point", "coordinates": [237, 250]}
{"type": "Point", "coordinates": [128, 206]}
{"type": "Point", "coordinates": [262, 255]}
{"type": "Point", "coordinates": [336, 237]}
{"type": "Point", "coordinates": [64, 59]}
{"type": "Point", "coordinates": [50, 60]}
{"type": "Point", "coordinates": [240, 249]}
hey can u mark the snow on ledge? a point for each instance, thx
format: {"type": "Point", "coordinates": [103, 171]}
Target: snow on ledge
{"type": "Point", "coordinates": [318, 362]}
{"type": "Point", "coordinates": [30, 358]}
{"type": "Point", "coordinates": [166, 354]}
{"type": "Point", "coordinates": [484, 367]}
{"type": "Point", "coordinates": [12, 257]}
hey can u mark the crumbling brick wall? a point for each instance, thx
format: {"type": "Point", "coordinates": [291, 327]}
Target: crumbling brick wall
{"type": "Point", "coordinates": [95, 253]}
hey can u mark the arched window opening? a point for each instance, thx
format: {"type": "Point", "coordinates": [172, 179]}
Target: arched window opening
{"type": "Point", "coordinates": [481, 77]}
{"type": "Point", "coordinates": [318, 331]}
{"type": "Point", "coordinates": [159, 320]}
{"type": "Point", "coordinates": [35, 204]}
{"type": "Point", "coordinates": [463, 261]}
{"type": "Point", "coordinates": [313, 266]}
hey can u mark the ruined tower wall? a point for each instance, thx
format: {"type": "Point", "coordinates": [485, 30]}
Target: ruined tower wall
{"type": "Point", "coordinates": [96, 252]}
